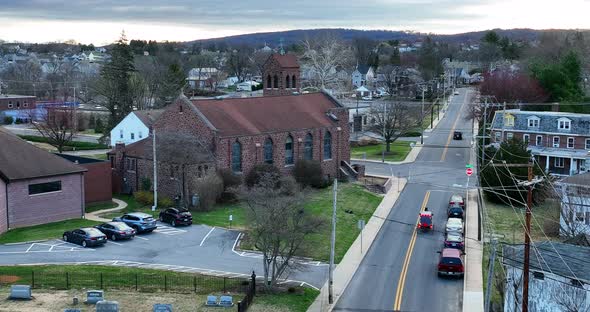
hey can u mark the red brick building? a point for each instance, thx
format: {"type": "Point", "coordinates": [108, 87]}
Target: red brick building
{"type": "Point", "coordinates": [10, 102]}
{"type": "Point", "coordinates": [97, 179]}
{"type": "Point", "coordinates": [238, 133]}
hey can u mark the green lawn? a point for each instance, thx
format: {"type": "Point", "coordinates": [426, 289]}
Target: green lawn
{"type": "Point", "coordinates": [294, 302]}
{"type": "Point", "coordinates": [220, 216]}
{"type": "Point", "coordinates": [132, 206]}
{"type": "Point", "coordinates": [44, 231]}
{"type": "Point", "coordinates": [77, 145]}
{"type": "Point", "coordinates": [399, 151]}
{"type": "Point", "coordinates": [100, 206]}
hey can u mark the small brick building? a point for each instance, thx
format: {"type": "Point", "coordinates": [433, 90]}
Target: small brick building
{"type": "Point", "coordinates": [238, 133]}
{"type": "Point", "coordinates": [97, 179]}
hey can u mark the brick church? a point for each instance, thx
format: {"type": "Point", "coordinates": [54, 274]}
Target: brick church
{"type": "Point", "coordinates": [278, 128]}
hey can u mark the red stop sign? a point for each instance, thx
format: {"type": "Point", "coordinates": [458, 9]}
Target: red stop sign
{"type": "Point", "coordinates": [469, 172]}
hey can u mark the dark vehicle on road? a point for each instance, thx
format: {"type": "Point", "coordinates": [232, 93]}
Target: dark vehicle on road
{"type": "Point", "coordinates": [85, 237]}
{"type": "Point", "coordinates": [455, 211]}
{"type": "Point", "coordinates": [116, 230]}
{"type": "Point", "coordinates": [457, 135]}
{"type": "Point", "coordinates": [176, 216]}
{"type": "Point", "coordinates": [454, 240]}
{"type": "Point", "coordinates": [425, 221]}
{"type": "Point", "coordinates": [456, 199]}
{"type": "Point", "coordinates": [139, 221]}
{"type": "Point", "coordinates": [450, 262]}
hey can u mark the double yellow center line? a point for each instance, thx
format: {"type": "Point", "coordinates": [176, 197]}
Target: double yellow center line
{"type": "Point", "coordinates": [402, 277]}
{"type": "Point", "coordinates": [444, 153]}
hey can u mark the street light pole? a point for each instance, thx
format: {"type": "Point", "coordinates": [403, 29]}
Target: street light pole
{"type": "Point", "coordinates": [422, 119]}
{"type": "Point", "coordinates": [155, 170]}
{"type": "Point", "coordinates": [332, 246]}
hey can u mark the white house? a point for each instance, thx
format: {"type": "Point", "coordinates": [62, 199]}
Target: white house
{"type": "Point", "coordinates": [134, 127]}
{"type": "Point", "coordinates": [246, 85]}
{"type": "Point", "coordinates": [559, 278]}
{"type": "Point", "coordinates": [199, 78]}
{"type": "Point", "coordinates": [363, 76]}
{"type": "Point", "coordinates": [574, 192]}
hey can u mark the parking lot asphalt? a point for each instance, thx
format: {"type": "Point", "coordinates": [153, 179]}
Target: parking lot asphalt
{"type": "Point", "coordinates": [195, 248]}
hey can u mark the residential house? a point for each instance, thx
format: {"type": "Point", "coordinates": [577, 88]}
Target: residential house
{"type": "Point", "coordinates": [200, 78]}
{"type": "Point", "coordinates": [574, 192]}
{"type": "Point", "coordinates": [36, 186]}
{"type": "Point", "coordinates": [134, 127]}
{"type": "Point", "coordinates": [363, 75]}
{"type": "Point", "coordinates": [559, 141]}
{"type": "Point", "coordinates": [559, 277]}
{"type": "Point", "coordinates": [17, 106]}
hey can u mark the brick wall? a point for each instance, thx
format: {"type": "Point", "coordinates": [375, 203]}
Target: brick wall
{"type": "Point", "coordinates": [97, 182]}
{"type": "Point", "coordinates": [26, 210]}
{"type": "Point", "coordinates": [546, 139]}
{"type": "Point", "coordinates": [3, 214]}
{"type": "Point", "coordinates": [274, 68]}
{"type": "Point", "coordinates": [17, 103]}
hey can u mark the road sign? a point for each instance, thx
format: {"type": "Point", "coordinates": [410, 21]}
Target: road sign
{"type": "Point", "coordinates": [469, 166]}
{"type": "Point", "coordinates": [469, 171]}
{"type": "Point", "coordinates": [361, 224]}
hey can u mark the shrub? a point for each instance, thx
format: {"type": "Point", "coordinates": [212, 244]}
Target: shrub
{"type": "Point", "coordinates": [209, 188]}
{"type": "Point", "coordinates": [165, 202]}
{"type": "Point", "coordinates": [412, 134]}
{"type": "Point", "coordinates": [146, 184]}
{"type": "Point", "coordinates": [92, 121]}
{"type": "Point", "coordinates": [18, 121]}
{"type": "Point", "coordinates": [254, 176]}
{"type": "Point", "coordinates": [144, 197]}
{"type": "Point", "coordinates": [229, 179]}
{"type": "Point", "coordinates": [99, 125]}
{"type": "Point", "coordinates": [8, 120]}
{"type": "Point", "coordinates": [309, 173]}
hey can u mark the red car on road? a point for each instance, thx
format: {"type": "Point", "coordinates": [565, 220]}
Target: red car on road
{"type": "Point", "coordinates": [425, 221]}
{"type": "Point", "coordinates": [450, 262]}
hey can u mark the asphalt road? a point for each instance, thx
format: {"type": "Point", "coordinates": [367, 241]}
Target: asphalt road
{"type": "Point", "coordinates": [399, 271]}
{"type": "Point", "coordinates": [196, 248]}
{"type": "Point", "coordinates": [25, 130]}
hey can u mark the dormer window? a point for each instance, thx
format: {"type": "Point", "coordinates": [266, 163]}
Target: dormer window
{"type": "Point", "coordinates": [509, 120]}
{"type": "Point", "coordinates": [533, 122]}
{"type": "Point", "coordinates": [564, 124]}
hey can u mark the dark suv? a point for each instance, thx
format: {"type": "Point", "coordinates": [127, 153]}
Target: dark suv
{"type": "Point", "coordinates": [450, 262]}
{"type": "Point", "coordinates": [455, 211]}
{"type": "Point", "coordinates": [176, 216]}
{"type": "Point", "coordinates": [141, 222]}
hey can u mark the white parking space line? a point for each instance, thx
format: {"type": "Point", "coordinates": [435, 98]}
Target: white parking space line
{"type": "Point", "coordinates": [141, 237]}
{"type": "Point", "coordinates": [119, 244]}
{"type": "Point", "coordinates": [204, 238]}
{"type": "Point", "coordinates": [163, 229]}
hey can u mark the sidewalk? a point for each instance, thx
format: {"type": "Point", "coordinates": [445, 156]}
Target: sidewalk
{"type": "Point", "coordinates": [95, 216]}
{"type": "Point", "coordinates": [345, 270]}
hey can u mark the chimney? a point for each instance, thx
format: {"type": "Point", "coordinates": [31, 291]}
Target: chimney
{"type": "Point", "coordinates": [555, 107]}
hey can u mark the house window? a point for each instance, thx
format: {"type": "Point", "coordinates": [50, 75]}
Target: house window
{"type": "Point", "coordinates": [268, 82]}
{"type": "Point", "coordinates": [533, 122]}
{"type": "Point", "coordinates": [539, 275]}
{"type": "Point", "coordinates": [577, 283]}
{"type": "Point", "coordinates": [25, 104]}
{"type": "Point", "coordinates": [121, 133]}
{"type": "Point", "coordinates": [328, 145]}
{"type": "Point", "coordinates": [539, 141]}
{"type": "Point", "coordinates": [526, 138]}
{"type": "Point", "coordinates": [555, 141]}
{"type": "Point", "coordinates": [293, 82]}
{"type": "Point", "coordinates": [559, 162]}
{"type": "Point", "coordinates": [570, 142]}
{"type": "Point", "coordinates": [498, 136]}
{"type": "Point", "coordinates": [308, 148]}
{"type": "Point", "coordinates": [236, 157]}
{"type": "Point", "coordinates": [287, 82]}
{"type": "Point", "coordinates": [509, 136]}
{"type": "Point", "coordinates": [47, 187]}
{"type": "Point", "coordinates": [268, 157]}
{"type": "Point", "coordinates": [289, 151]}
{"type": "Point", "coordinates": [587, 143]}
{"type": "Point", "coordinates": [140, 135]}
{"type": "Point", "coordinates": [509, 120]}
{"type": "Point", "coordinates": [564, 124]}
{"type": "Point", "coordinates": [132, 136]}
{"type": "Point", "coordinates": [276, 82]}
{"type": "Point", "coordinates": [9, 104]}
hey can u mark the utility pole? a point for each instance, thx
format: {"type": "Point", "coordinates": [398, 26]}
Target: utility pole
{"type": "Point", "coordinates": [332, 246]}
{"type": "Point", "coordinates": [155, 170]}
{"type": "Point", "coordinates": [503, 120]}
{"type": "Point", "coordinates": [422, 119]}
{"type": "Point", "coordinates": [488, 295]}
{"type": "Point", "coordinates": [483, 133]}
{"type": "Point", "coordinates": [527, 241]}
{"type": "Point", "coordinates": [384, 131]}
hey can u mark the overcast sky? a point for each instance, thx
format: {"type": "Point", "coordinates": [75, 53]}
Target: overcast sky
{"type": "Point", "coordinates": [101, 21]}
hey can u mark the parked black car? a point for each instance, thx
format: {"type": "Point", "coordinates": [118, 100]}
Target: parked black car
{"type": "Point", "coordinates": [85, 237]}
{"type": "Point", "coordinates": [116, 230]}
{"type": "Point", "coordinates": [455, 211]}
{"type": "Point", "coordinates": [176, 216]}
{"type": "Point", "coordinates": [141, 222]}
{"type": "Point", "coordinates": [458, 135]}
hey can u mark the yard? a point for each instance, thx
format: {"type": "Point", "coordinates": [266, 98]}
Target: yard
{"type": "Point", "coordinates": [100, 206]}
{"type": "Point", "coordinates": [43, 231]}
{"type": "Point", "coordinates": [398, 151]}
{"type": "Point", "coordinates": [49, 296]}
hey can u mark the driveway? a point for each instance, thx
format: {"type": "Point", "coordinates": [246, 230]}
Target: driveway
{"type": "Point", "coordinates": [196, 248]}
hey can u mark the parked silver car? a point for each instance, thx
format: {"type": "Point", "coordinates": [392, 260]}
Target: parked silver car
{"type": "Point", "coordinates": [454, 225]}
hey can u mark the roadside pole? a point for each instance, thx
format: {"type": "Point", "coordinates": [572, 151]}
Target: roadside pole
{"type": "Point", "coordinates": [483, 133]}
{"type": "Point", "coordinates": [155, 171]}
{"type": "Point", "coordinates": [333, 246]}
{"type": "Point", "coordinates": [488, 294]}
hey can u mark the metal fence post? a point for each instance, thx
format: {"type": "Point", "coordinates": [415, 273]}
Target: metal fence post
{"type": "Point", "coordinates": [67, 280]}
{"type": "Point", "coordinates": [253, 284]}
{"type": "Point", "coordinates": [165, 283]}
{"type": "Point", "coordinates": [135, 281]}
{"type": "Point", "coordinates": [239, 306]}
{"type": "Point", "coordinates": [101, 284]}
{"type": "Point", "coordinates": [32, 279]}
{"type": "Point", "coordinates": [224, 290]}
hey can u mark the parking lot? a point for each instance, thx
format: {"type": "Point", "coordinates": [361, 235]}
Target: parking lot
{"type": "Point", "coordinates": [195, 248]}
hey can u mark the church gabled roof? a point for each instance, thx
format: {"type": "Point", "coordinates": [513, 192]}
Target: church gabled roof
{"type": "Point", "coordinates": [285, 60]}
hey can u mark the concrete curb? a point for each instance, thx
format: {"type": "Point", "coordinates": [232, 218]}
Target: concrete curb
{"type": "Point", "coordinates": [95, 216]}
{"type": "Point", "coordinates": [346, 269]}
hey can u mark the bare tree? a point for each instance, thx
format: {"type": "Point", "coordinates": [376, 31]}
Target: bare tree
{"type": "Point", "coordinates": [258, 59]}
{"type": "Point", "coordinates": [57, 124]}
{"type": "Point", "coordinates": [571, 298]}
{"type": "Point", "coordinates": [574, 202]}
{"type": "Point", "coordinates": [279, 224]}
{"type": "Point", "coordinates": [238, 62]}
{"type": "Point", "coordinates": [392, 119]}
{"type": "Point", "coordinates": [325, 55]}
{"type": "Point", "coordinates": [392, 75]}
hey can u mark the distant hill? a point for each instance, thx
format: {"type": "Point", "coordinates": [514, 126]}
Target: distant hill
{"type": "Point", "coordinates": [295, 36]}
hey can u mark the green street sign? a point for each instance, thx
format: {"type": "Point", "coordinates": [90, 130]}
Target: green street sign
{"type": "Point", "coordinates": [469, 166]}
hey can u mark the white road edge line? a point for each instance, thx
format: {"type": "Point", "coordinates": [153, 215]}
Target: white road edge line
{"type": "Point", "coordinates": [233, 248]}
{"type": "Point", "coordinates": [204, 238]}
{"type": "Point", "coordinates": [33, 244]}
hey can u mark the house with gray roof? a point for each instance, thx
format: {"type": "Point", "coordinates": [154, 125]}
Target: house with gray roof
{"type": "Point", "coordinates": [37, 186]}
{"type": "Point", "coordinates": [559, 277]}
{"type": "Point", "coordinates": [559, 141]}
{"type": "Point", "coordinates": [363, 75]}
